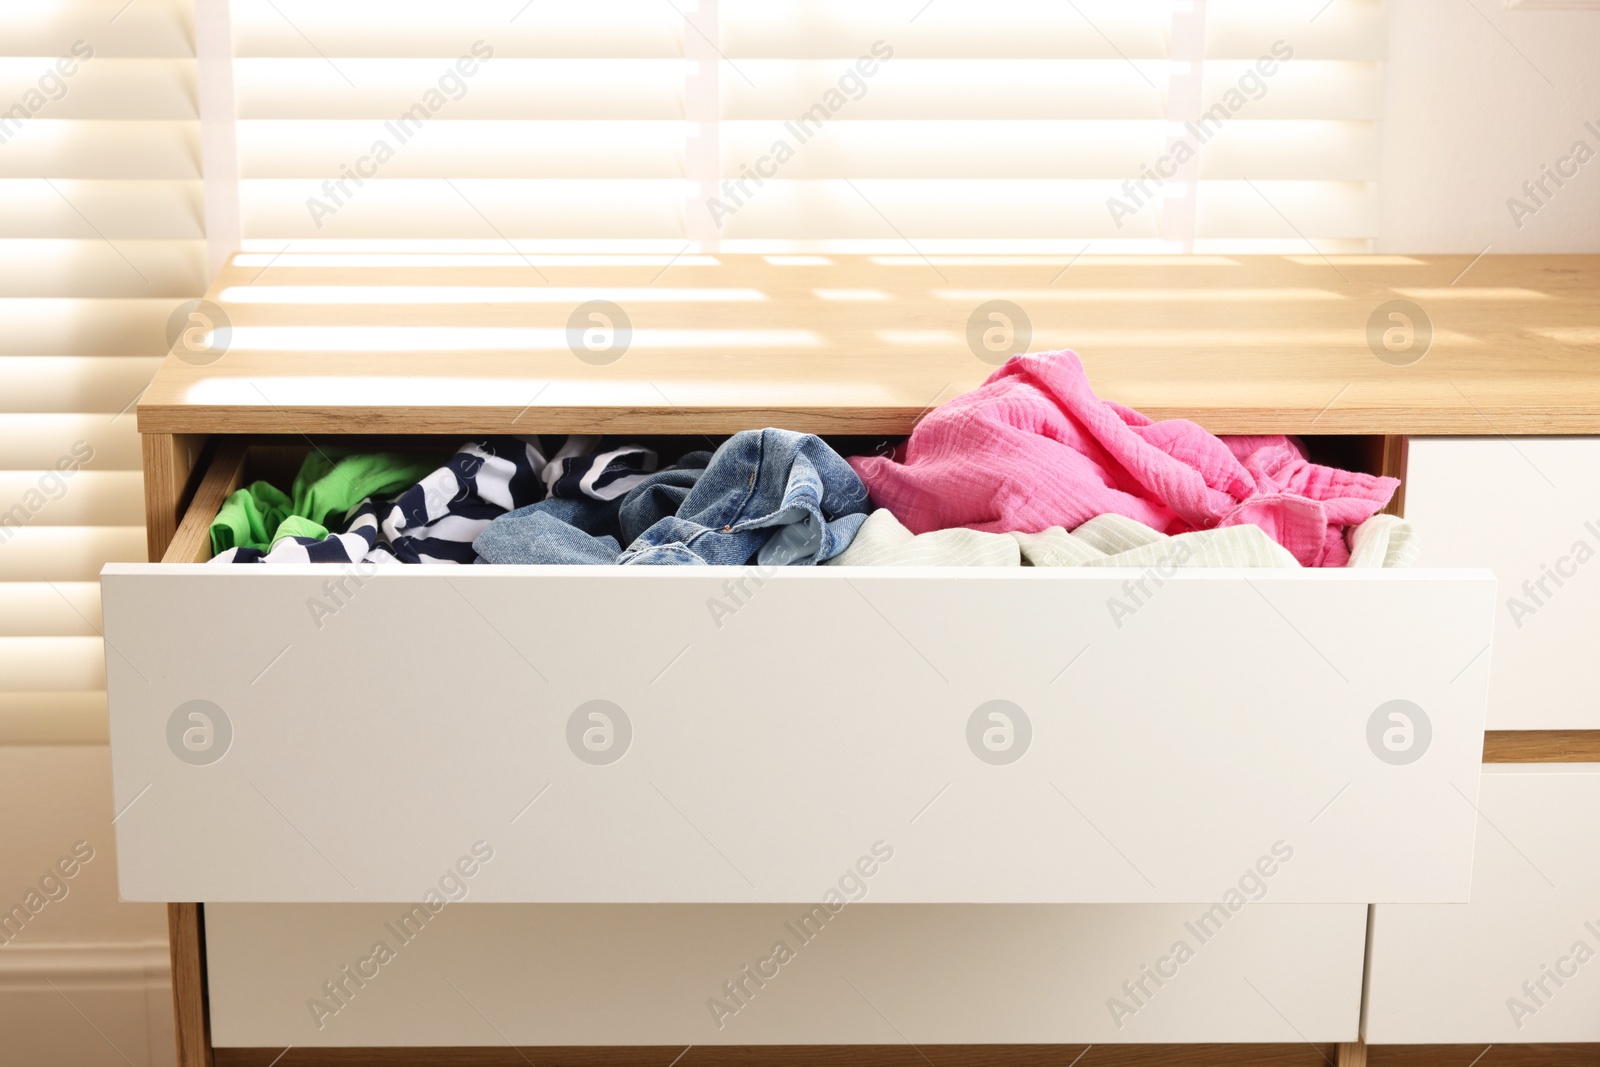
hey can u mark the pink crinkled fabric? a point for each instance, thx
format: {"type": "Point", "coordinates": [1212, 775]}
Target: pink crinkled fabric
{"type": "Point", "coordinates": [1033, 447]}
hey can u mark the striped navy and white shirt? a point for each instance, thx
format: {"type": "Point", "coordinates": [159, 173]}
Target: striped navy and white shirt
{"type": "Point", "coordinates": [436, 520]}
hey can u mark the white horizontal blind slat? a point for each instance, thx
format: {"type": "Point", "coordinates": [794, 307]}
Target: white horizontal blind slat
{"type": "Point", "coordinates": [1303, 89]}
{"type": "Point", "coordinates": [468, 148]}
{"type": "Point", "coordinates": [947, 29]}
{"type": "Point", "coordinates": [907, 88]}
{"type": "Point", "coordinates": [1352, 30]}
{"type": "Point", "coordinates": [49, 609]}
{"type": "Point", "coordinates": [53, 718]}
{"type": "Point", "coordinates": [1294, 150]}
{"type": "Point", "coordinates": [72, 326]}
{"type": "Point", "coordinates": [85, 149]}
{"type": "Point", "coordinates": [931, 209]}
{"type": "Point", "coordinates": [468, 207]}
{"type": "Point", "coordinates": [76, 497]}
{"type": "Point", "coordinates": [52, 664]}
{"type": "Point", "coordinates": [382, 29]}
{"type": "Point", "coordinates": [126, 208]}
{"type": "Point", "coordinates": [953, 148]}
{"type": "Point", "coordinates": [37, 442]}
{"type": "Point", "coordinates": [38, 553]}
{"type": "Point", "coordinates": [104, 88]}
{"type": "Point", "coordinates": [148, 29]}
{"type": "Point", "coordinates": [99, 266]}
{"type": "Point", "coordinates": [101, 388]}
{"type": "Point", "coordinates": [313, 89]}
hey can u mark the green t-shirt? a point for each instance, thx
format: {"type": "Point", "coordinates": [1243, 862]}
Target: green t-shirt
{"type": "Point", "coordinates": [323, 493]}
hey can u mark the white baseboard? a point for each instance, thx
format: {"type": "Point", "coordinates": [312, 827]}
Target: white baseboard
{"type": "Point", "coordinates": [119, 962]}
{"type": "Point", "coordinates": [87, 1004]}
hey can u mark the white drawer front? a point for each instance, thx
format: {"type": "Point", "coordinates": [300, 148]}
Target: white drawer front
{"type": "Point", "coordinates": [876, 974]}
{"type": "Point", "coordinates": [1521, 963]}
{"type": "Point", "coordinates": [1156, 757]}
{"type": "Point", "coordinates": [1529, 509]}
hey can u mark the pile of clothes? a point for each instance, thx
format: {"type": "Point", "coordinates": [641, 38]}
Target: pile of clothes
{"type": "Point", "coordinates": [1030, 469]}
{"type": "Point", "coordinates": [767, 496]}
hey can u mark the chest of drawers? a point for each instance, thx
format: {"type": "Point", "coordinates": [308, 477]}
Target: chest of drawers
{"type": "Point", "coordinates": [1203, 774]}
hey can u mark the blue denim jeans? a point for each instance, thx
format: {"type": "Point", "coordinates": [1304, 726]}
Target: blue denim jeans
{"type": "Point", "coordinates": [584, 530]}
{"type": "Point", "coordinates": [772, 496]}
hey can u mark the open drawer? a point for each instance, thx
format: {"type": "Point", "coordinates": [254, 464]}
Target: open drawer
{"type": "Point", "coordinates": [728, 734]}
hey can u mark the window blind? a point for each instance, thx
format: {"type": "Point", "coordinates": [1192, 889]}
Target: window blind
{"type": "Point", "coordinates": [810, 125]}
{"type": "Point", "coordinates": [101, 239]}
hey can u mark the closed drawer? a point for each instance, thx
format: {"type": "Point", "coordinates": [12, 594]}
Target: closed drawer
{"type": "Point", "coordinates": [1529, 509]}
{"type": "Point", "coordinates": [661, 975]}
{"type": "Point", "coordinates": [639, 735]}
{"type": "Point", "coordinates": [1521, 962]}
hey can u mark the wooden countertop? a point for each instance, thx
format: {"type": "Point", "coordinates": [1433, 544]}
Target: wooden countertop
{"type": "Point", "coordinates": [478, 343]}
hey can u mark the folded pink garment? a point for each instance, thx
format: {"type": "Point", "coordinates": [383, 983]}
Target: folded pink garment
{"type": "Point", "coordinates": [1033, 447]}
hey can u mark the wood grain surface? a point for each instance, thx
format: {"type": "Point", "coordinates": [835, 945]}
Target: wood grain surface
{"type": "Point", "coordinates": [339, 343]}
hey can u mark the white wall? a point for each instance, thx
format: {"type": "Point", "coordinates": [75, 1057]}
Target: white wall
{"type": "Point", "coordinates": [1467, 120]}
{"type": "Point", "coordinates": [86, 980]}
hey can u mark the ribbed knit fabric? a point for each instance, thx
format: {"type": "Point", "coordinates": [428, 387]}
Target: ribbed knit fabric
{"type": "Point", "coordinates": [1110, 541]}
{"type": "Point", "coordinates": [883, 542]}
{"type": "Point", "coordinates": [1033, 447]}
{"type": "Point", "coordinates": [1384, 541]}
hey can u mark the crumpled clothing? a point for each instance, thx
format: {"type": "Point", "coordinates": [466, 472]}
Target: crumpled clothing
{"type": "Point", "coordinates": [1033, 447]}
{"type": "Point", "coordinates": [589, 531]}
{"type": "Point", "coordinates": [432, 521]}
{"type": "Point", "coordinates": [1384, 541]}
{"type": "Point", "coordinates": [579, 471]}
{"type": "Point", "coordinates": [772, 496]}
{"type": "Point", "coordinates": [324, 490]}
{"type": "Point", "coordinates": [775, 497]}
{"type": "Point", "coordinates": [1110, 541]}
{"type": "Point", "coordinates": [358, 543]}
{"type": "Point", "coordinates": [437, 519]}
